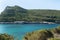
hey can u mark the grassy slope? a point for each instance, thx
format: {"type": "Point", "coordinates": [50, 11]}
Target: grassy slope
{"type": "Point", "coordinates": [44, 35]}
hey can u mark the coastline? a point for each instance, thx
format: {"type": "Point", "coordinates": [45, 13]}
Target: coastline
{"type": "Point", "coordinates": [23, 22]}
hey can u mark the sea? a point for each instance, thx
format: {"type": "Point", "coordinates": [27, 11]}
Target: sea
{"type": "Point", "coordinates": [18, 31]}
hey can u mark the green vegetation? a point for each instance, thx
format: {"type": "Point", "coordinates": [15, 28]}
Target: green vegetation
{"type": "Point", "coordinates": [16, 13]}
{"type": "Point", "coordinates": [11, 14]}
{"type": "Point", "coordinates": [6, 37]}
{"type": "Point", "coordinates": [52, 34]}
{"type": "Point", "coordinates": [54, 39]}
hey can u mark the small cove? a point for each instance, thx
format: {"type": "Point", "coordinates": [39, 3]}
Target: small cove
{"type": "Point", "coordinates": [19, 30]}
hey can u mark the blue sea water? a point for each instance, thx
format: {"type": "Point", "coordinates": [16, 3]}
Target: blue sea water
{"type": "Point", "coordinates": [19, 30]}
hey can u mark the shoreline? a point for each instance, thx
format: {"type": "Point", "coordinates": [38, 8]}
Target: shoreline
{"type": "Point", "coordinates": [22, 22]}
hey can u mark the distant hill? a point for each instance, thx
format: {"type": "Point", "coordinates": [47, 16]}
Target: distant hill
{"type": "Point", "coordinates": [13, 13]}
{"type": "Point", "coordinates": [16, 13]}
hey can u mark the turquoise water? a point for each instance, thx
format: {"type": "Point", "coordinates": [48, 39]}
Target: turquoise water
{"type": "Point", "coordinates": [19, 30]}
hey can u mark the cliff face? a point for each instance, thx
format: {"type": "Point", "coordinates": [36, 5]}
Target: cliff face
{"type": "Point", "coordinates": [43, 35]}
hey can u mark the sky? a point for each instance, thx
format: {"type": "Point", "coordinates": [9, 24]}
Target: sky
{"type": "Point", "coordinates": [31, 4]}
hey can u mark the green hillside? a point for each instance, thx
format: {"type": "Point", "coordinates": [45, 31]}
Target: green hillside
{"type": "Point", "coordinates": [16, 13]}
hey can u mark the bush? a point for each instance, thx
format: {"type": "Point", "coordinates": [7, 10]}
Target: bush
{"type": "Point", "coordinates": [6, 37]}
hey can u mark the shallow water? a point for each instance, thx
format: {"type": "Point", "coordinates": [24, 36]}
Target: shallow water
{"type": "Point", "coordinates": [19, 30]}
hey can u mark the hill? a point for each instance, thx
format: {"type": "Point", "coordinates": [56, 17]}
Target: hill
{"type": "Point", "coordinates": [16, 13]}
{"type": "Point", "coordinates": [13, 13]}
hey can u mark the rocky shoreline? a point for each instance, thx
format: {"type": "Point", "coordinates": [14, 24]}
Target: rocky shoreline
{"type": "Point", "coordinates": [23, 22]}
